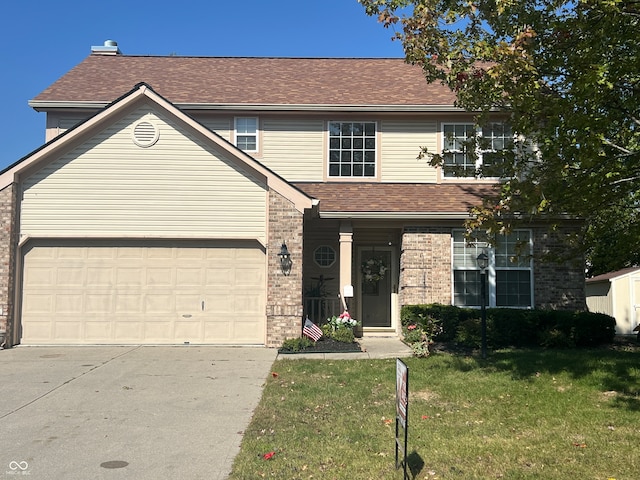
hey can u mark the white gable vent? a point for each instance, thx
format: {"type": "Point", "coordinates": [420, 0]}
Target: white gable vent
{"type": "Point", "coordinates": [145, 133]}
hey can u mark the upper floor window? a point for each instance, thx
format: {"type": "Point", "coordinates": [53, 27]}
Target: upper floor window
{"type": "Point", "coordinates": [468, 151]}
{"type": "Point", "coordinates": [247, 133]}
{"type": "Point", "coordinates": [509, 275]}
{"type": "Point", "coordinates": [352, 149]}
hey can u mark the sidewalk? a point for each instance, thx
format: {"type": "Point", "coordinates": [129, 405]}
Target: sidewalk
{"type": "Point", "coordinates": [373, 347]}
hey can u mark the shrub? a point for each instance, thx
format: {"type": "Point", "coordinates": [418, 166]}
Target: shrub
{"type": "Point", "coordinates": [296, 344]}
{"type": "Point", "coordinates": [514, 327]}
{"type": "Point", "coordinates": [420, 333]}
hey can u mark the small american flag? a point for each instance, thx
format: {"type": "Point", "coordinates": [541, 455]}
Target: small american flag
{"type": "Point", "coordinates": [311, 330]}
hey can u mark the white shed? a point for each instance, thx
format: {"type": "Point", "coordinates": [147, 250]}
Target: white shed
{"type": "Point", "coordinates": [617, 294]}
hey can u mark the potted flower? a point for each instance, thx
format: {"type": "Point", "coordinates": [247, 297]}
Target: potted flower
{"type": "Point", "coordinates": [340, 327]}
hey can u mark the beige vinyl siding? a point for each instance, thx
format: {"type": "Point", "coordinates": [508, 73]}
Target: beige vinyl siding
{"type": "Point", "coordinates": [109, 186]}
{"type": "Point", "coordinates": [294, 148]}
{"type": "Point", "coordinates": [220, 125]}
{"type": "Point", "coordinates": [59, 122]}
{"type": "Point", "coordinates": [400, 144]}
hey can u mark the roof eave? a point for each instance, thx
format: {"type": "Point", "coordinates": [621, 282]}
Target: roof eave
{"type": "Point", "coordinates": [395, 215]}
{"type": "Point", "coordinates": [43, 105]}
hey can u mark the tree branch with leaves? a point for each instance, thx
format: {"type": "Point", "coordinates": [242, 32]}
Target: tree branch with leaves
{"type": "Point", "coordinates": [566, 75]}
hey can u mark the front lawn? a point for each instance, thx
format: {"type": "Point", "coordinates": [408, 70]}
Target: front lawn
{"type": "Point", "coordinates": [534, 414]}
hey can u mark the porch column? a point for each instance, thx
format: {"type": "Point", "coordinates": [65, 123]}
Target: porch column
{"type": "Point", "coordinates": [346, 254]}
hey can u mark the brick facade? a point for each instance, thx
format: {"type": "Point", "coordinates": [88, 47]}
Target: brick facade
{"type": "Point", "coordinates": [284, 294]}
{"type": "Point", "coordinates": [425, 265]}
{"type": "Point", "coordinates": [558, 283]}
{"type": "Point", "coordinates": [425, 269]}
{"type": "Point", "coordinates": [7, 262]}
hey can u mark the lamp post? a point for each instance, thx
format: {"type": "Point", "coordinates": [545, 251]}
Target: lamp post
{"type": "Point", "coordinates": [483, 263]}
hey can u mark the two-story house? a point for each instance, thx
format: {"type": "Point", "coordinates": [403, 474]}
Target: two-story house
{"type": "Point", "coordinates": [159, 207]}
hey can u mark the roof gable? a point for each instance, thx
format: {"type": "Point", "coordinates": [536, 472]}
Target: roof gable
{"type": "Point", "coordinates": [251, 81]}
{"type": "Point", "coordinates": [140, 94]}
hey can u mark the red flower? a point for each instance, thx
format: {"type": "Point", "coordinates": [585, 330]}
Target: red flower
{"type": "Point", "coordinates": [411, 327]}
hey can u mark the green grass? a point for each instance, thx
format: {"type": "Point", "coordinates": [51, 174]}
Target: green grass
{"type": "Point", "coordinates": [536, 414]}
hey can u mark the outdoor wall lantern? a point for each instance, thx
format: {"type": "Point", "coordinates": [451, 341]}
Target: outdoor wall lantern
{"type": "Point", "coordinates": [285, 260]}
{"type": "Point", "coordinates": [483, 262]}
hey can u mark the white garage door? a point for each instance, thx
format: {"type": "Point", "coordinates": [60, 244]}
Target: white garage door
{"type": "Point", "coordinates": [130, 293]}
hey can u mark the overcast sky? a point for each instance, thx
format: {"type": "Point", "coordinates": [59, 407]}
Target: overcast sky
{"type": "Point", "coordinates": [42, 40]}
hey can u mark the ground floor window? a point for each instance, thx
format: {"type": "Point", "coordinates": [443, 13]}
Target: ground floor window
{"type": "Point", "coordinates": [509, 274]}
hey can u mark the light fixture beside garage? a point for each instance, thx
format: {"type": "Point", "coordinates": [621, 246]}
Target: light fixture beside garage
{"type": "Point", "coordinates": [285, 260]}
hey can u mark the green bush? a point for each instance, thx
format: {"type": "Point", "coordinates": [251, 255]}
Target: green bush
{"type": "Point", "coordinates": [514, 327]}
{"type": "Point", "coordinates": [344, 335]}
{"type": "Point", "coordinates": [296, 344]}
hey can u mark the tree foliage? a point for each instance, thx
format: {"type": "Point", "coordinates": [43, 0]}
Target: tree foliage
{"type": "Point", "coordinates": [567, 74]}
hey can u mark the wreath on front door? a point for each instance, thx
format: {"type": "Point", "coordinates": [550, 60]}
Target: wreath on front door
{"type": "Point", "coordinates": [374, 269]}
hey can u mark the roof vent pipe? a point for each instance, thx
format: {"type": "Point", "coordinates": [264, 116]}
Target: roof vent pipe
{"type": "Point", "coordinates": [110, 47]}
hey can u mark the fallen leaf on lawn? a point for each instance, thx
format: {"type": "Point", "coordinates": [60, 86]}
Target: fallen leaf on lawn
{"type": "Point", "coordinates": [424, 417]}
{"type": "Point", "coordinates": [268, 456]}
{"type": "Point", "coordinates": [387, 421]}
{"type": "Point", "coordinates": [581, 445]}
{"type": "Point", "coordinates": [274, 374]}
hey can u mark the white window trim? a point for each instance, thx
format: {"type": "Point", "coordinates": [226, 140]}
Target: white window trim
{"type": "Point", "coordinates": [478, 151]}
{"type": "Point", "coordinates": [236, 134]}
{"type": "Point", "coordinates": [335, 256]}
{"type": "Point", "coordinates": [376, 165]}
{"type": "Point", "coordinates": [491, 273]}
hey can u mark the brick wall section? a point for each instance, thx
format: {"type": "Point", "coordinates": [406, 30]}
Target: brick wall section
{"type": "Point", "coordinates": [425, 265]}
{"type": "Point", "coordinates": [7, 262]}
{"type": "Point", "coordinates": [425, 269]}
{"type": "Point", "coordinates": [284, 294]}
{"type": "Point", "coordinates": [558, 283]}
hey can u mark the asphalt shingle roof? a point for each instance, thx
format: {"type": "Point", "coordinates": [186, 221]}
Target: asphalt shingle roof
{"type": "Point", "coordinates": [397, 197]}
{"type": "Point", "coordinates": [243, 80]}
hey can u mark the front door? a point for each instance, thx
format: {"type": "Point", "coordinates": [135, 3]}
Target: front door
{"type": "Point", "coordinates": [375, 286]}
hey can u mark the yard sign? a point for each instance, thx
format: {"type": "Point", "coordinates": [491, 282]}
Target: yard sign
{"type": "Point", "coordinates": [402, 410]}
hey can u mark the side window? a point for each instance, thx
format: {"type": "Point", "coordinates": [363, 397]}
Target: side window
{"type": "Point", "coordinates": [468, 151]}
{"type": "Point", "coordinates": [509, 274]}
{"type": "Point", "coordinates": [246, 133]}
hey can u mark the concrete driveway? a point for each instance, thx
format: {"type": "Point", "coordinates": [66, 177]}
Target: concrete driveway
{"type": "Point", "coordinates": [126, 412]}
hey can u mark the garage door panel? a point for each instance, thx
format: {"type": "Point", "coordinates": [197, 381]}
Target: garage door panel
{"type": "Point", "coordinates": [128, 330]}
{"type": "Point", "coordinates": [163, 302]}
{"type": "Point", "coordinates": [39, 303]}
{"type": "Point", "coordinates": [96, 303]}
{"type": "Point", "coordinates": [101, 294]}
{"type": "Point", "coordinates": [69, 303]}
{"type": "Point", "coordinates": [158, 331]}
{"type": "Point", "coordinates": [159, 277]}
{"type": "Point", "coordinates": [188, 330]}
{"type": "Point", "coordinates": [96, 331]}
{"type": "Point", "coordinates": [68, 330]}
{"type": "Point", "coordinates": [189, 277]}
{"type": "Point", "coordinates": [130, 276]}
{"type": "Point", "coordinates": [39, 276]}
{"type": "Point", "coordinates": [100, 276]}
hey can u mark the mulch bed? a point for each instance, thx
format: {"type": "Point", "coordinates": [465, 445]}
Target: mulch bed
{"type": "Point", "coordinates": [328, 345]}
